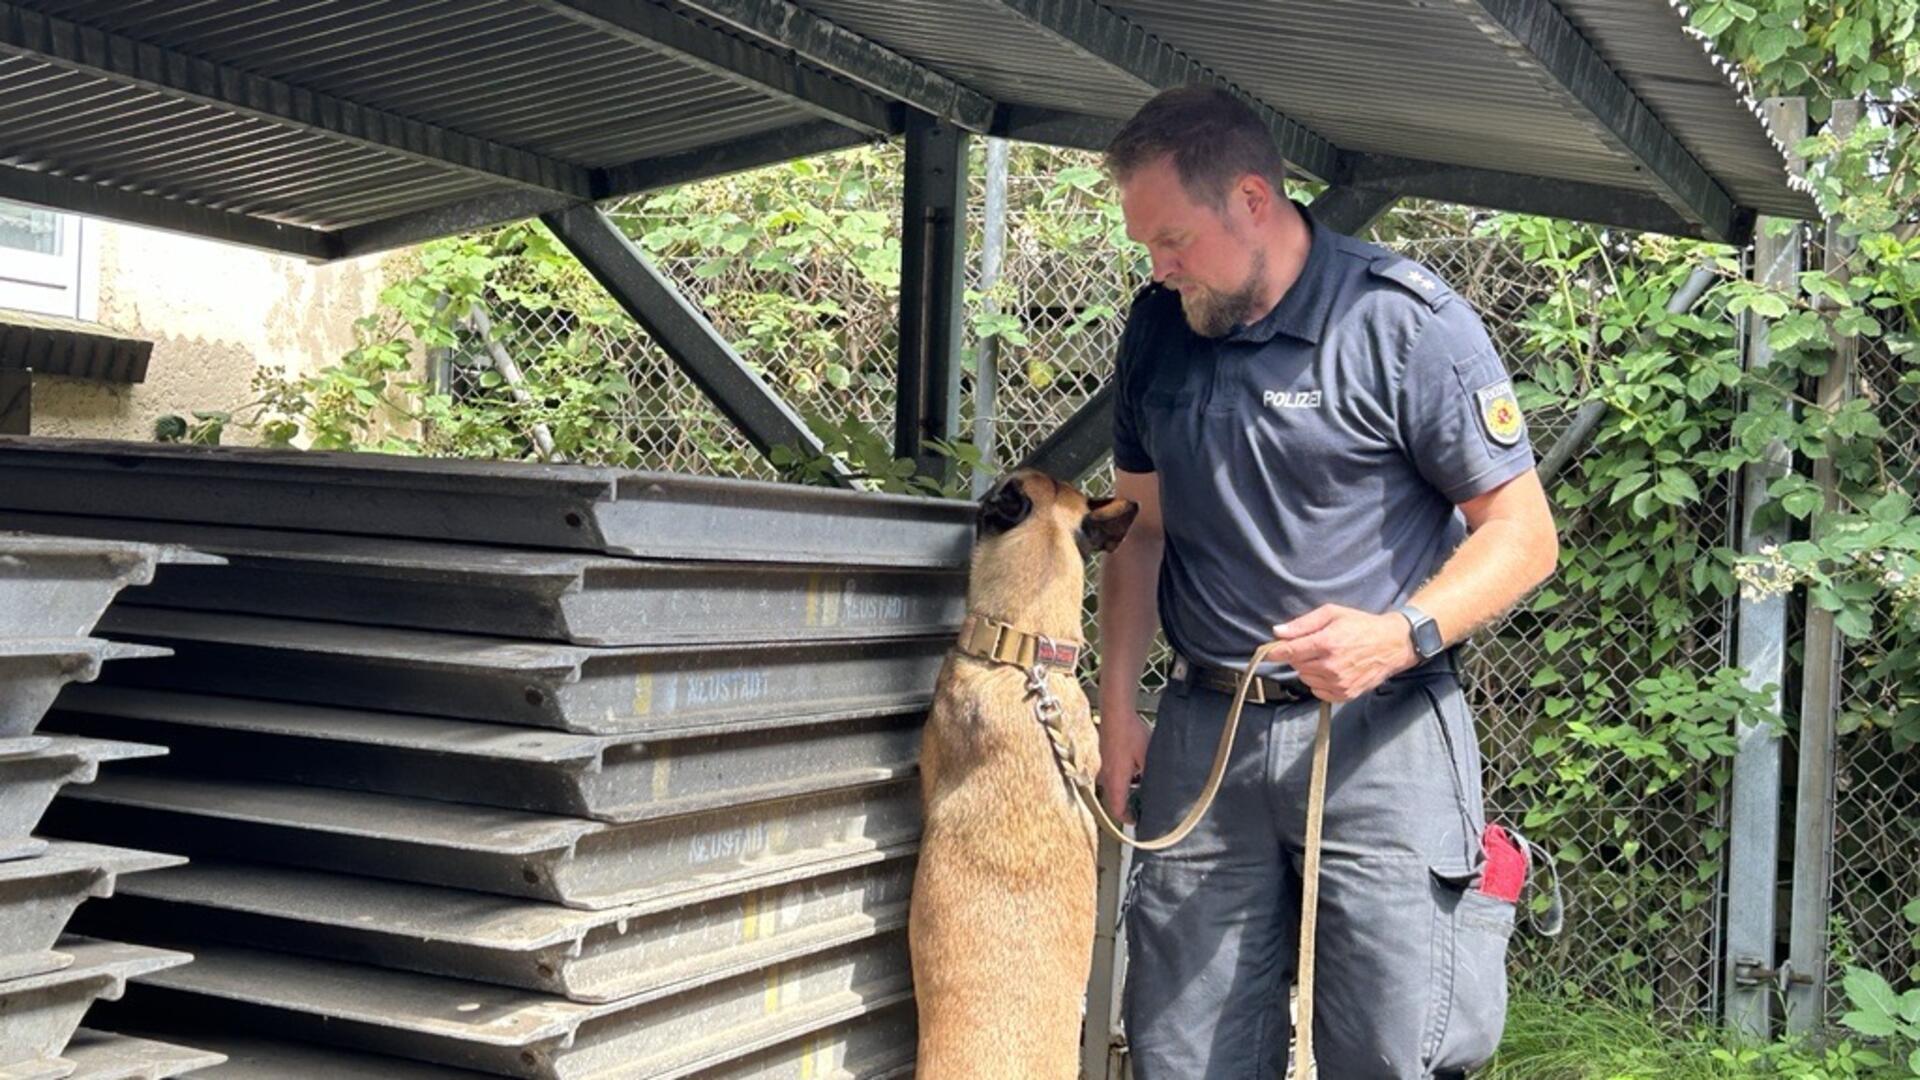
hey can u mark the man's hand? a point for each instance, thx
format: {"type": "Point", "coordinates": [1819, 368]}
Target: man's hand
{"type": "Point", "coordinates": [1342, 653]}
{"type": "Point", "coordinates": [1123, 755]}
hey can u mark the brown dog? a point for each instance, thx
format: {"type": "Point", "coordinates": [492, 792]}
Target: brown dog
{"type": "Point", "coordinates": [1001, 923]}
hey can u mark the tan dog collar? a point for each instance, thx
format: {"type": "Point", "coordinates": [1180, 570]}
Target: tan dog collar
{"type": "Point", "coordinates": [991, 639]}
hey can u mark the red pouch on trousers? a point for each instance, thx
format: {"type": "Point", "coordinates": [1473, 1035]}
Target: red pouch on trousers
{"type": "Point", "coordinates": [1506, 869]}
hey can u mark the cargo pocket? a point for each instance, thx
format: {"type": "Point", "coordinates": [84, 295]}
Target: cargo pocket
{"type": "Point", "coordinates": [1467, 993]}
{"type": "Point", "coordinates": [1462, 761]}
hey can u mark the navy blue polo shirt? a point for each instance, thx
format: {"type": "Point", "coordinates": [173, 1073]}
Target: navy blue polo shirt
{"type": "Point", "coordinates": [1315, 456]}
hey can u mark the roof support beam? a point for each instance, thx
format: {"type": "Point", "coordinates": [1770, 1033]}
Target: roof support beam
{"type": "Point", "coordinates": [1100, 34]}
{"type": "Point", "coordinates": [1541, 40]}
{"type": "Point", "coordinates": [1080, 443]}
{"type": "Point", "coordinates": [77, 197]}
{"type": "Point", "coordinates": [647, 174]}
{"type": "Point", "coordinates": [133, 63]}
{"type": "Point", "coordinates": [1351, 210]}
{"type": "Point", "coordinates": [1411, 179]}
{"type": "Point", "coordinates": [1568, 199]}
{"type": "Point", "coordinates": [815, 40]}
{"type": "Point", "coordinates": [718, 52]}
{"type": "Point", "coordinates": [678, 326]}
{"type": "Point", "coordinates": [1052, 127]}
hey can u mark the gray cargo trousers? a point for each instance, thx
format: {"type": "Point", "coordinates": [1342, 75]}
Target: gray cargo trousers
{"type": "Point", "coordinates": [1410, 955]}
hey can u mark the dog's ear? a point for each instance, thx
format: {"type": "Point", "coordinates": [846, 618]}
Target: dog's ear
{"type": "Point", "coordinates": [1107, 522]}
{"type": "Point", "coordinates": [1006, 506]}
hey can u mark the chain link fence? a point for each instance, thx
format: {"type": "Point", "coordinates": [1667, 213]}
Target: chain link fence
{"type": "Point", "coordinates": [1876, 851]}
{"type": "Point", "coordinates": [1642, 920]}
{"type": "Point", "coordinates": [1644, 915]}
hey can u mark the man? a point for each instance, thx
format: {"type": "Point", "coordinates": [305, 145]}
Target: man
{"type": "Point", "coordinates": [1326, 451]}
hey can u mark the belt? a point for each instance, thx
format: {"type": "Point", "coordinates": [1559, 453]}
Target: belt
{"type": "Point", "coordinates": [1267, 690]}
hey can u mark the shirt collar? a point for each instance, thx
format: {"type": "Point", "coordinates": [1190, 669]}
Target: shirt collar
{"type": "Point", "coordinates": [1302, 312]}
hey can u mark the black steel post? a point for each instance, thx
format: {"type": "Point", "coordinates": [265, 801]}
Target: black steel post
{"type": "Point", "coordinates": [932, 275]}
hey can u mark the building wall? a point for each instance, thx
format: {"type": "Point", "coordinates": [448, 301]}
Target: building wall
{"type": "Point", "coordinates": [216, 313]}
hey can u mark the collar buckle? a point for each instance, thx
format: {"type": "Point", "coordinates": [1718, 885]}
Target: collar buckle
{"type": "Point", "coordinates": [995, 641]}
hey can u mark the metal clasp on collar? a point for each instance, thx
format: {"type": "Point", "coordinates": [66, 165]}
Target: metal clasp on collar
{"type": "Point", "coordinates": [1048, 706]}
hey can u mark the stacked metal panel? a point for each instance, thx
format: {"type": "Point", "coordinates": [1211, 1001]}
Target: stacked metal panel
{"type": "Point", "coordinates": [635, 805]}
{"type": "Point", "coordinates": [53, 591]}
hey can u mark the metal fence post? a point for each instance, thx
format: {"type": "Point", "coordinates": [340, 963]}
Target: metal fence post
{"type": "Point", "coordinates": [1813, 821]}
{"type": "Point", "coordinates": [986, 356]}
{"type": "Point", "coordinates": [1753, 849]}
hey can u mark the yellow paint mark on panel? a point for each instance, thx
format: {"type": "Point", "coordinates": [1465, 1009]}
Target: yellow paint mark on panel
{"type": "Point", "coordinates": [662, 772]}
{"type": "Point", "coordinates": [643, 694]}
{"type": "Point", "coordinates": [829, 591]}
{"type": "Point", "coordinates": [750, 924]}
{"type": "Point", "coordinates": [773, 990]}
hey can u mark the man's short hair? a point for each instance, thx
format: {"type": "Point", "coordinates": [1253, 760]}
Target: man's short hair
{"type": "Point", "coordinates": [1213, 137]}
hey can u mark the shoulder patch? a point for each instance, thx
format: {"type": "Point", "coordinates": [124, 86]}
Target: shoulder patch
{"type": "Point", "coordinates": [1414, 278]}
{"type": "Point", "coordinates": [1500, 412]}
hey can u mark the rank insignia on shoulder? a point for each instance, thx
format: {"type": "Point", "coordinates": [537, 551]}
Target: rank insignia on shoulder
{"type": "Point", "coordinates": [1500, 412]}
{"type": "Point", "coordinates": [1410, 276]}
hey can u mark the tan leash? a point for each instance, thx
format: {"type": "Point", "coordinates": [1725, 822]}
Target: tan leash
{"type": "Point", "coordinates": [1048, 710]}
{"type": "Point", "coordinates": [1303, 1060]}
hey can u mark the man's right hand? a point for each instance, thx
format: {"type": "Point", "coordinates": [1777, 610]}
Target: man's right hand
{"type": "Point", "coordinates": [1123, 755]}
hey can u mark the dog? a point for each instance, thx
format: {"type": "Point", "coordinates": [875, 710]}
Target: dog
{"type": "Point", "coordinates": [1001, 919]}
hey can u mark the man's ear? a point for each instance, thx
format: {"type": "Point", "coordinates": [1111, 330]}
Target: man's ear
{"type": "Point", "coordinates": [1006, 506]}
{"type": "Point", "coordinates": [1107, 522]}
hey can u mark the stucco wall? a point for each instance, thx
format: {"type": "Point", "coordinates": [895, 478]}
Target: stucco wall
{"type": "Point", "coordinates": [215, 313]}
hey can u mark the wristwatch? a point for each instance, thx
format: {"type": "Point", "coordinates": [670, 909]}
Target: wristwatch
{"type": "Point", "coordinates": [1426, 633]}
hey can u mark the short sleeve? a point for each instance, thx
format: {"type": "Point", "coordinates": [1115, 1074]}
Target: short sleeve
{"type": "Point", "coordinates": [1130, 452]}
{"type": "Point", "coordinates": [1458, 417]}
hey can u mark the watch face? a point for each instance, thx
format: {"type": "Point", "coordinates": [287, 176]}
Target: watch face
{"type": "Point", "coordinates": [1426, 638]}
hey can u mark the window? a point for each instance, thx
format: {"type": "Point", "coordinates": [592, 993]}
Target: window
{"type": "Point", "coordinates": [47, 262]}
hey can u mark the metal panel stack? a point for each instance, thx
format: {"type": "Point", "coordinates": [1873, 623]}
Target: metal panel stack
{"type": "Point", "coordinates": [53, 591]}
{"type": "Point", "coordinates": [533, 771]}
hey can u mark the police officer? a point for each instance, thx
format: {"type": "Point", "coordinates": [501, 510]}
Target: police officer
{"type": "Point", "coordinates": [1327, 451]}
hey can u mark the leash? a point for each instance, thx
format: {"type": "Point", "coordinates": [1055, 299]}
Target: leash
{"type": "Point", "coordinates": [1047, 709]}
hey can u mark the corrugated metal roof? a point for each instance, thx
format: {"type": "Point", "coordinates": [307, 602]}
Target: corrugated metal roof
{"type": "Point", "coordinates": [498, 68]}
{"type": "Point", "coordinates": [331, 114]}
{"type": "Point", "coordinates": [1698, 93]}
{"type": "Point", "coordinates": [985, 46]}
{"type": "Point", "coordinates": [1418, 81]}
{"type": "Point", "coordinates": [91, 128]}
{"type": "Point", "coordinates": [48, 345]}
{"type": "Point", "coordinates": [1381, 77]}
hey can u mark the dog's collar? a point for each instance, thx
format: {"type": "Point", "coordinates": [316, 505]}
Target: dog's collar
{"type": "Point", "coordinates": [1001, 643]}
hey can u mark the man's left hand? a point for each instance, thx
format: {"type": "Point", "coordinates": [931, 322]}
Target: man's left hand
{"type": "Point", "coordinates": [1342, 653]}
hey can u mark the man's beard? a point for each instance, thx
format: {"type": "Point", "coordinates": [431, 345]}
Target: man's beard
{"type": "Point", "coordinates": [1212, 313]}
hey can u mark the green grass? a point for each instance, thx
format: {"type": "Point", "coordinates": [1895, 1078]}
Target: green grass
{"type": "Point", "coordinates": [1552, 1038]}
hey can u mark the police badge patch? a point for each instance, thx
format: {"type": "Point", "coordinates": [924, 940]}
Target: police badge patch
{"type": "Point", "coordinates": [1500, 412]}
